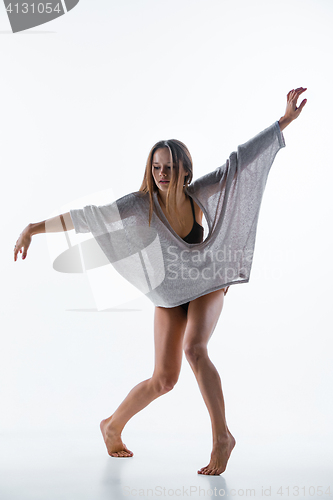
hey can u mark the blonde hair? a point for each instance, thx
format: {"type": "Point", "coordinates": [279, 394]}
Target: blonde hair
{"type": "Point", "coordinates": [178, 151]}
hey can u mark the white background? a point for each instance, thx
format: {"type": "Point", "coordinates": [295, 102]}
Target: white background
{"type": "Point", "coordinates": [83, 100]}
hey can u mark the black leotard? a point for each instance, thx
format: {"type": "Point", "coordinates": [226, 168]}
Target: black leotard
{"type": "Point", "coordinates": [197, 231]}
{"type": "Point", "coordinates": [194, 236]}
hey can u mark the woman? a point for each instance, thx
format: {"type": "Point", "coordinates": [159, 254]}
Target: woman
{"type": "Point", "coordinates": [187, 326]}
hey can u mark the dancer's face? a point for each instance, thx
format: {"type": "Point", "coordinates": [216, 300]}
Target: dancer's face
{"type": "Point", "coordinates": [162, 168]}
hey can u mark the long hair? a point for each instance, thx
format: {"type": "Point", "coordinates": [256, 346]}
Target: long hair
{"type": "Point", "coordinates": [178, 151]}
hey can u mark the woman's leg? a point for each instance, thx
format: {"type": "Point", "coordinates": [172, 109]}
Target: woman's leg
{"type": "Point", "coordinates": [203, 314]}
{"type": "Point", "coordinates": [169, 328]}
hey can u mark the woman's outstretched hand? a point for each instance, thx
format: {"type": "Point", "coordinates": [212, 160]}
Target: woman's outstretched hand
{"type": "Point", "coordinates": [292, 111]}
{"type": "Point", "coordinates": [23, 242]}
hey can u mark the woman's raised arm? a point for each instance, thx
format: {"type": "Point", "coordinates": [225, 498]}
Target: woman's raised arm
{"type": "Point", "coordinates": [59, 223]}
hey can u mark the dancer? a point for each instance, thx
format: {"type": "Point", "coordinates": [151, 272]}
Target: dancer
{"type": "Point", "coordinates": [186, 310]}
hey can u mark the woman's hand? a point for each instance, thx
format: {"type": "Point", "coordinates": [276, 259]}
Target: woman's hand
{"type": "Point", "coordinates": [23, 242]}
{"type": "Point", "coordinates": [292, 111]}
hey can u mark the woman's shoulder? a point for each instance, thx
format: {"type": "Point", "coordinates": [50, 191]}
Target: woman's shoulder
{"type": "Point", "coordinates": [132, 197]}
{"type": "Point", "coordinates": [132, 203]}
{"type": "Point", "coordinates": [140, 194]}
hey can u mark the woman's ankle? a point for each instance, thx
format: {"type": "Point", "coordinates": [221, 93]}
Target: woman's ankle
{"type": "Point", "coordinates": [221, 437]}
{"type": "Point", "coordinates": [113, 425]}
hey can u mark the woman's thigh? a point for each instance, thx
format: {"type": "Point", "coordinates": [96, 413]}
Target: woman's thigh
{"type": "Point", "coordinates": [202, 317]}
{"type": "Point", "coordinates": [169, 328]}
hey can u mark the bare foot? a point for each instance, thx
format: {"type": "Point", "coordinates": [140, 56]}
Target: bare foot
{"type": "Point", "coordinates": [219, 457]}
{"type": "Point", "coordinates": [114, 444]}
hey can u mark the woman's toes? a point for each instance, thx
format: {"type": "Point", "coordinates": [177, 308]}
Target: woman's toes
{"type": "Point", "coordinates": [125, 453]}
{"type": "Point", "coordinates": [126, 449]}
{"type": "Point", "coordinates": [121, 453]}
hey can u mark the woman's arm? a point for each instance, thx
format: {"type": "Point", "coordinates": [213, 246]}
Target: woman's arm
{"type": "Point", "coordinates": [59, 223]}
{"type": "Point", "coordinates": [292, 111]}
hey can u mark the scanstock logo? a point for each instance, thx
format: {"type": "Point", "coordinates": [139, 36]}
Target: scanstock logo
{"type": "Point", "coordinates": [25, 15]}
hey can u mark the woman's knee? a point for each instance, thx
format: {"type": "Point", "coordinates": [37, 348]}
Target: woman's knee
{"type": "Point", "coordinates": [194, 352]}
{"type": "Point", "coordinates": [164, 382]}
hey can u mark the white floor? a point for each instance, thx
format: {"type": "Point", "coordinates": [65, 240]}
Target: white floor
{"type": "Point", "coordinates": [60, 466]}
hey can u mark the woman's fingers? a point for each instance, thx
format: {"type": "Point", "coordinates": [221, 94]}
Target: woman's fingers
{"type": "Point", "coordinates": [298, 92]}
{"type": "Point", "coordinates": [22, 244]}
{"type": "Point", "coordinates": [15, 254]}
{"type": "Point", "coordinates": [20, 250]}
{"type": "Point", "coordinates": [302, 104]}
{"type": "Point", "coordinates": [292, 111]}
{"type": "Point", "coordinates": [17, 249]}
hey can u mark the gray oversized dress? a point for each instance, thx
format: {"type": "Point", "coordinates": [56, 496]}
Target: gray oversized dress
{"type": "Point", "coordinates": [160, 263]}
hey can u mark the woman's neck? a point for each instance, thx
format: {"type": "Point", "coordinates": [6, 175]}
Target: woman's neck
{"type": "Point", "coordinates": [180, 198]}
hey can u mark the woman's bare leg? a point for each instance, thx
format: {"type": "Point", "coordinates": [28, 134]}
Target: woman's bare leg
{"type": "Point", "coordinates": [169, 328]}
{"type": "Point", "coordinates": [203, 314]}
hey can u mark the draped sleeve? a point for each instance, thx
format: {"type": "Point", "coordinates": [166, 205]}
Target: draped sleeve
{"type": "Point", "coordinates": [241, 179]}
